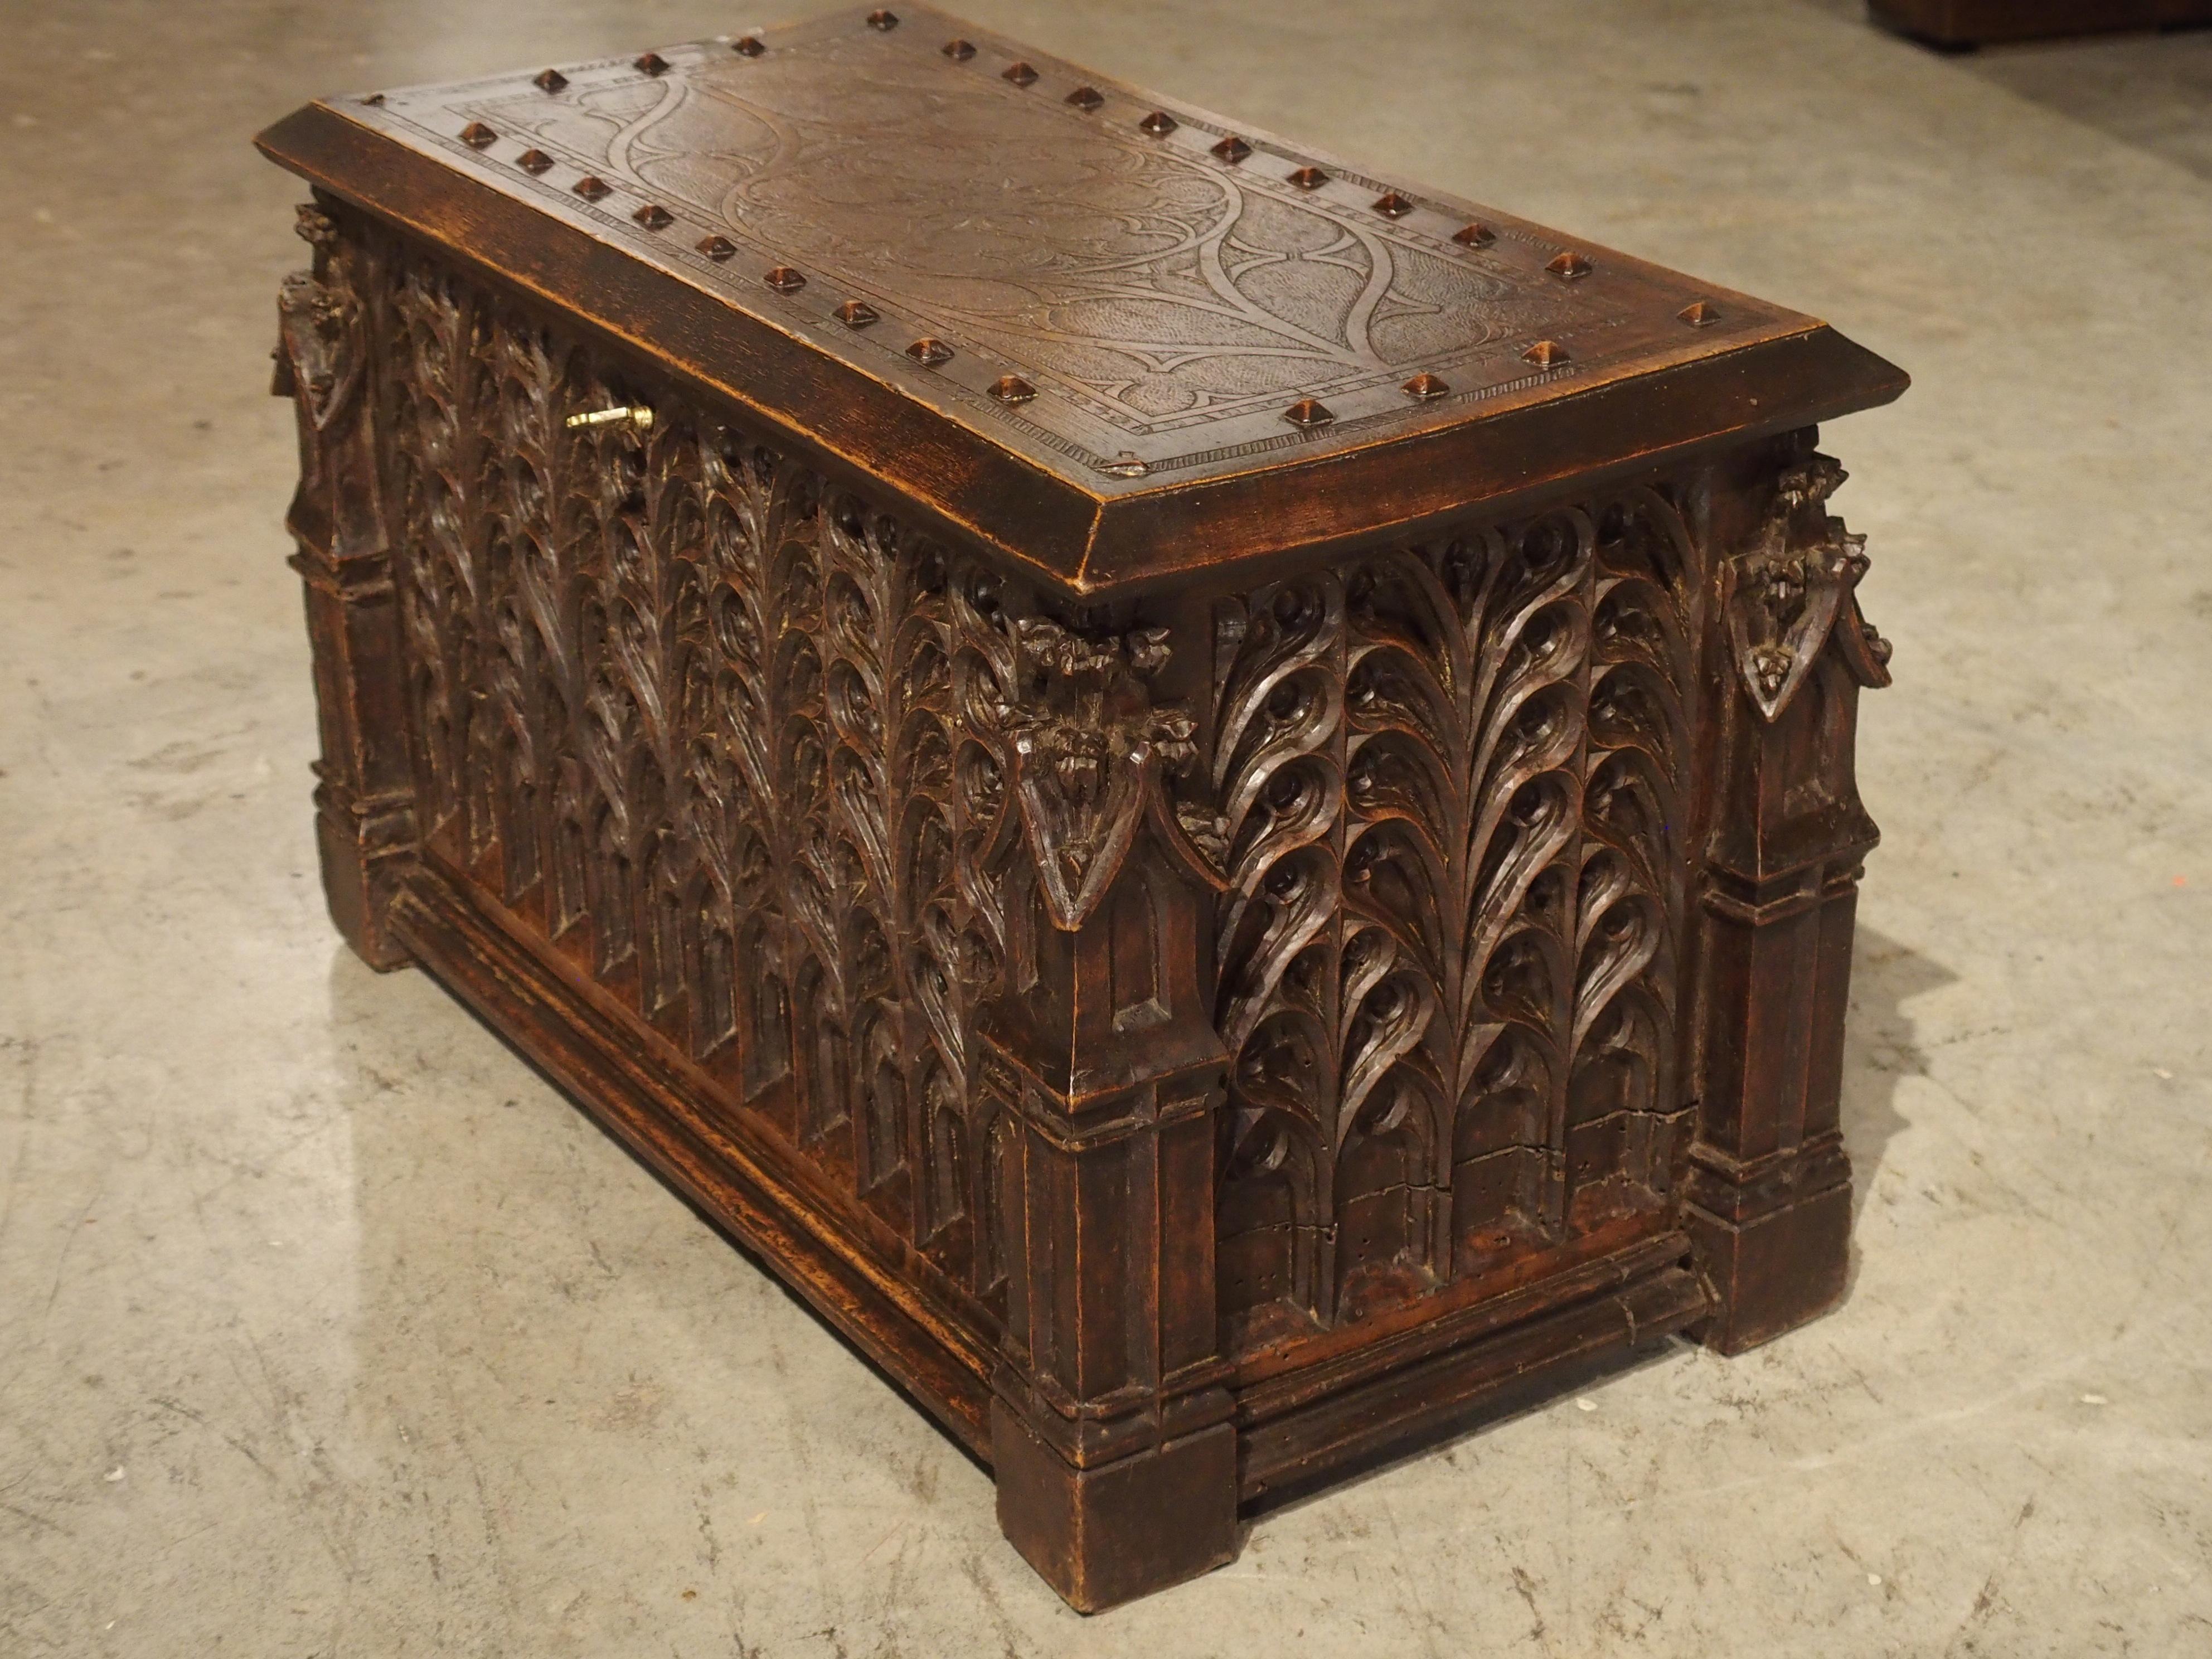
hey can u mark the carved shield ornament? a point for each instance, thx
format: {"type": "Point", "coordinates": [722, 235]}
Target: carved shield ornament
{"type": "Point", "coordinates": [1784, 596]}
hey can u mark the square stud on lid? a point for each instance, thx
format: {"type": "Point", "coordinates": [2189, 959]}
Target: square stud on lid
{"type": "Point", "coordinates": [1108, 707]}
{"type": "Point", "coordinates": [1465, 295]}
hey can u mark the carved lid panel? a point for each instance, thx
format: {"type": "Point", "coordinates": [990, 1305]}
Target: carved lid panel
{"type": "Point", "coordinates": [1127, 294]}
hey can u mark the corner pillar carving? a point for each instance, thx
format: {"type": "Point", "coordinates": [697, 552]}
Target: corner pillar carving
{"type": "Point", "coordinates": [1769, 1189]}
{"type": "Point", "coordinates": [364, 794]}
{"type": "Point", "coordinates": [1109, 1428]}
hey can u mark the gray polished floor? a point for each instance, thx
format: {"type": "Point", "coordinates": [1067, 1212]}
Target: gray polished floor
{"type": "Point", "coordinates": [325, 1328]}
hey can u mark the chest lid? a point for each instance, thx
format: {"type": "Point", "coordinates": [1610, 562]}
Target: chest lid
{"type": "Point", "coordinates": [1112, 336]}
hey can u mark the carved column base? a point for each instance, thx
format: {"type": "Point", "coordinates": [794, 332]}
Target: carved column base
{"type": "Point", "coordinates": [1772, 1235]}
{"type": "Point", "coordinates": [1768, 1198]}
{"type": "Point", "coordinates": [364, 806]}
{"type": "Point", "coordinates": [1116, 1460]}
{"type": "Point", "coordinates": [1104, 1534]}
{"type": "Point", "coordinates": [366, 847]}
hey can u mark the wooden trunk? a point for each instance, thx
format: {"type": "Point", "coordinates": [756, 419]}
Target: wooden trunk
{"type": "Point", "coordinates": [1962, 24]}
{"type": "Point", "coordinates": [1210, 798]}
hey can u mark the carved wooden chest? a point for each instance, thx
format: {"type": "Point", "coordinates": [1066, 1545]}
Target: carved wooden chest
{"type": "Point", "coordinates": [1208, 795]}
{"type": "Point", "coordinates": [1965, 24]}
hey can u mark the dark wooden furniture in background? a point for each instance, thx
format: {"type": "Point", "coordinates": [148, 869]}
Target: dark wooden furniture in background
{"type": "Point", "coordinates": [1963, 24]}
{"type": "Point", "coordinates": [1210, 797]}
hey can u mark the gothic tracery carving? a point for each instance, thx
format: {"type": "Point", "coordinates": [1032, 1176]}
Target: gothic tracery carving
{"type": "Point", "coordinates": [691, 712]}
{"type": "Point", "coordinates": [769, 766]}
{"type": "Point", "coordinates": [1454, 776]}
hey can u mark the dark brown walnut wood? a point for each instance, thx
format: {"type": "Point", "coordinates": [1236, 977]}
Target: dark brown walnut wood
{"type": "Point", "coordinates": [1169, 305]}
{"type": "Point", "coordinates": [364, 797]}
{"type": "Point", "coordinates": [1966, 23]}
{"type": "Point", "coordinates": [1198, 1026]}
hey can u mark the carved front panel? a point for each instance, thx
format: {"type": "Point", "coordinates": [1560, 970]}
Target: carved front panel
{"type": "Point", "coordinates": [688, 714]}
{"type": "Point", "coordinates": [1193, 1033]}
{"type": "Point", "coordinates": [747, 753]}
{"type": "Point", "coordinates": [812, 796]}
{"type": "Point", "coordinates": [1456, 777]}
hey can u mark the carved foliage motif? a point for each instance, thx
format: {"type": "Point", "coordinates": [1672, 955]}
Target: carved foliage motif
{"type": "Point", "coordinates": [689, 714]}
{"type": "Point", "coordinates": [783, 777]}
{"type": "Point", "coordinates": [321, 358]}
{"type": "Point", "coordinates": [1455, 777]}
{"type": "Point", "coordinates": [1795, 588]}
{"type": "Point", "coordinates": [1091, 755]}
{"type": "Point", "coordinates": [319, 328]}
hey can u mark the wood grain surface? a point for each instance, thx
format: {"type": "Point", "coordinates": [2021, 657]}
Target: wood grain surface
{"type": "Point", "coordinates": [1194, 1041]}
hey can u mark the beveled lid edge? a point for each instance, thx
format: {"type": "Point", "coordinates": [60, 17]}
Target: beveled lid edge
{"type": "Point", "coordinates": [1632, 424]}
{"type": "Point", "coordinates": [1092, 541]}
{"type": "Point", "coordinates": [830, 409]}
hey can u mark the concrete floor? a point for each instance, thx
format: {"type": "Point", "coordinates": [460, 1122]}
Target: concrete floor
{"type": "Point", "coordinates": [325, 1328]}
